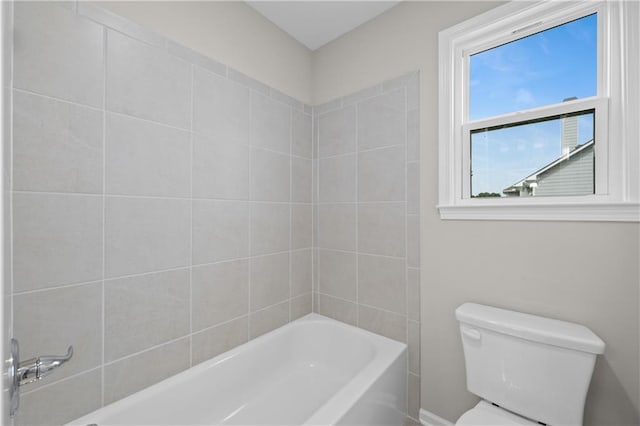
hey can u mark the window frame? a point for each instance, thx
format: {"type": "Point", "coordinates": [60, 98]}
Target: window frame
{"type": "Point", "coordinates": [616, 132]}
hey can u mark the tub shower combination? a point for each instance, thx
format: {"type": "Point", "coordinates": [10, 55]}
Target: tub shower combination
{"type": "Point", "coordinates": [313, 371]}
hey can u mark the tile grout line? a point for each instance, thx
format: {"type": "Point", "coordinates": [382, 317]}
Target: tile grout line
{"type": "Point", "coordinates": [104, 207]}
{"type": "Point", "coordinates": [10, 183]}
{"type": "Point", "coordinates": [406, 239]}
{"type": "Point", "coordinates": [191, 114]}
{"type": "Point", "coordinates": [251, 213]}
{"type": "Point", "coordinates": [290, 211]}
{"type": "Point", "coordinates": [357, 204]}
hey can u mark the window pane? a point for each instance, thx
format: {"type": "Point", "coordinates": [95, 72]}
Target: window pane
{"type": "Point", "coordinates": [542, 69]}
{"type": "Point", "coordinates": [554, 156]}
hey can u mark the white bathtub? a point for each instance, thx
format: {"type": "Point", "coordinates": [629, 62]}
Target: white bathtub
{"type": "Point", "coordinates": [313, 371]}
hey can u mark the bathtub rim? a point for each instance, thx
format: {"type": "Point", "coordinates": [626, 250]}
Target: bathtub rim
{"type": "Point", "coordinates": [387, 352]}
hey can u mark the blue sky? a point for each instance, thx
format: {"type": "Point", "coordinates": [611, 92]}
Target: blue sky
{"type": "Point", "coordinates": [538, 70]}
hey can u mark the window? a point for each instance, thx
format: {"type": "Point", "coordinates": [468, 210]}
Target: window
{"type": "Point", "coordinates": [536, 107]}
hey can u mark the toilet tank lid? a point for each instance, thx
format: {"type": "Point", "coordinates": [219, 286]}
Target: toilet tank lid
{"type": "Point", "coordinates": [531, 327]}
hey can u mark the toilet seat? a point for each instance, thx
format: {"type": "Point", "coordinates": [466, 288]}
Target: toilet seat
{"type": "Point", "coordinates": [489, 415]}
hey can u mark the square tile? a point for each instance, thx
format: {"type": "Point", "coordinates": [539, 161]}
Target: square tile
{"type": "Point", "coordinates": [270, 176]}
{"type": "Point", "coordinates": [220, 169]}
{"type": "Point", "coordinates": [337, 274]}
{"type": "Point", "coordinates": [269, 228]}
{"type": "Point", "coordinates": [57, 240]}
{"type": "Point", "coordinates": [301, 226]}
{"type": "Point", "coordinates": [146, 234]}
{"type": "Point", "coordinates": [145, 311]}
{"type": "Point", "coordinates": [301, 269]}
{"type": "Point", "coordinates": [145, 158]}
{"type": "Point", "coordinates": [301, 180]}
{"type": "Point", "coordinates": [129, 375]}
{"type": "Point", "coordinates": [337, 226]}
{"type": "Point", "coordinates": [381, 229]}
{"type": "Point", "coordinates": [337, 132]}
{"type": "Point", "coordinates": [147, 82]}
{"type": "Point", "coordinates": [381, 174]}
{"type": "Point", "coordinates": [382, 283]}
{"type": "Point", "coordinates": [220, 108]}
{"type": "Point", "coordinates": [337, 178]}
{"type": "Point", "coordinates": [48, 322]}
{"type": "Point", "coordinates": [214, 341]}
{"type": "Point", "coordinates": [57, 146]}
{"type": "Point", "coordinates": [220, 230]}
{"type": "Point", "coordinates": [266, 320]}
{"type": "Point", "coordinates": [57, 53]}
{"type": "Point", "coordinates": [269, 280]}
{"type": "Point", "coordinates": [270, 124]}
{"type": "Point", "coordinates": [220, 293]}
{"type": "Point", "coordinates": [382, 120]}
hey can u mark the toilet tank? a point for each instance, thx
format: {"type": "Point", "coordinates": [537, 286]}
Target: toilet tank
{"type": "Point", "coordinates": [536, 367]}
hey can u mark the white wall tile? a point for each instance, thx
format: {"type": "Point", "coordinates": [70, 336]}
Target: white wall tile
{"type": "Point", "coordinates": [381, 229]}
{"type": "Point", "coordinates": [301, 143]}
{"type": "Point", "coordinates": [270, 124]}
{"type": "Point", "coordinates": [214, 341]}
{"type": "Point", "coordinates": [337, 132]}
{"type": "Point", "coordinates": [132, 374]}
{"type": "Point", "coordinates": [219, 293]}
{"type": "Point", "coordinates": [301, 306]}
{"type": "Point", "coordinates": [338, 309]}
{"type": "Point", "coordinates": [147, 82]}
{"type": "Point", "coordinates": [144, 311]}
{"type": "Point", "coordinates": [220, 230]}
{"type": "Point", "coordinates": [65, 401]}
{"type": "Point", "coordinates": [381, 120]}
{"type": "Point", "coordinates": [301, 180]}
{"type": "Point", "coordinates": [301, 268]}
{"type": "Point", "coordinates": [381, 174]}
{"type": "Point", "coordinates": [57, 239]}
{"type": "Point", "coordinates": [269, 280]}
{"type": "Point", "coordinates": [145, 158]}
{"type": "Point", "coordinates": [265, 320]}
{"type": "Point", "coordinates": [58, 53]}
{"type": "Point", "coordinates": [220, 108]}
{"type": "Point", "coordinates": [144, 235]}
{"type": "Point", "coordinates": [48, 322]}
{"type": "Point", "coordinates": [269, 228]}
{"type": "Point", "coordinates": [301, 226]}
{"type": "Point", "coordinates": [388, 324]}
{"type": "Point", "coordinates": [337, 226]}
{"type": "Point", "coordinates": [270, 176]}
{"type": "Point", "coordinates": [220, 169]}
{"type": "Point", "coordinates": [337, 177]}
{"type": "Point", "coordinates": [57, 146]}
{"type": "Point", "coordinates": [382, 283]}
{"type": "Point", "coordinates": [337, 274]}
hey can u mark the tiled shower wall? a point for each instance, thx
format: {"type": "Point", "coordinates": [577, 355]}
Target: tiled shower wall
{"type": "Point", "coordinates": [162, 206]}
{"type": "Point", "coordinates": [366, 249]}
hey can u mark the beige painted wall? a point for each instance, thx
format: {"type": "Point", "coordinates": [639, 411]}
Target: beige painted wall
{"type": "Point", "coordinates": [232, 33]}
{"type": "Point", "coordinates": [582, 272]}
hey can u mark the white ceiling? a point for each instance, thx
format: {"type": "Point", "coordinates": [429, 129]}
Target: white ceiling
{"type": "Point", "coordinates": [315, 23]}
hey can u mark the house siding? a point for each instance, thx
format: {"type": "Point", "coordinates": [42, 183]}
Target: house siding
{"type": "Point", "coordinates": [572, 177]}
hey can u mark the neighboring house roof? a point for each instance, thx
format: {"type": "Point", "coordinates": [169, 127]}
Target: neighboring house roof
{"type": "Point", "coordinates": [515, 188]}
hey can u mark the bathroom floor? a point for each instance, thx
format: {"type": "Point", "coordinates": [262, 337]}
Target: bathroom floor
{"type": "Point", "coordinates": [410, 422]}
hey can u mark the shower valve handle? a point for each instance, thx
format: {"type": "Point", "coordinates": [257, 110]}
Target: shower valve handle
{"type": "Point", "coordinates": [34, 369]}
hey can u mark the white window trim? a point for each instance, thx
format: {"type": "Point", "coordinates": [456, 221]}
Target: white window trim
{"type": "Point", "coordinates": [620, 200]}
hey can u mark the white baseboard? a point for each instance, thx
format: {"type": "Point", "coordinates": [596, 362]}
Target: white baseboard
{"type": "Point", "coordinates": [429, 419]}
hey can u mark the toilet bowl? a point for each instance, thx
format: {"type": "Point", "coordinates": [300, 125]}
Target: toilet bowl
{"type": "Point", "coordinates": [527, 369]}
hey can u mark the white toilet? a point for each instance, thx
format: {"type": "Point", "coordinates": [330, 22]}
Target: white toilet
{"type": "Point", "coordinates": [527, 369]}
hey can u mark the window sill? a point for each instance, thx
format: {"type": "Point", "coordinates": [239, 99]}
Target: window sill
{"type": "Point", "coordinates": [600, 212]}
